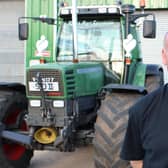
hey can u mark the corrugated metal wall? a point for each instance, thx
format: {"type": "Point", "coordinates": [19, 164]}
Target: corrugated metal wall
{"type": "Point", "coordinates": [151, 48]}
{"type": "Point", "coordinates": [11, 49]}
{"type": "Point", "coordinates": [149, 3]}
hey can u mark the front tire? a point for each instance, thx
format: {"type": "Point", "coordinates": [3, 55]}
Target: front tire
{"type": "Point", "coordinates": [13, 107]}
{"type": "Point", "coordinates": [110, 129]}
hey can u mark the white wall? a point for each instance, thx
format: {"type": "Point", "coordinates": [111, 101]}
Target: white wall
{"type": "Point", "coordinates": [11, 49]}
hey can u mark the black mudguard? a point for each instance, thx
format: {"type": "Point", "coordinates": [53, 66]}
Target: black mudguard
{"type": "Point", "coordinates": [153, 69]}
{"type": "Point", "coordinates": [123, 88]}
{"type": "Point", "coordinates": [13, 87]}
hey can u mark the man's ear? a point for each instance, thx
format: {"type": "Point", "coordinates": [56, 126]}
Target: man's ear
{"type": "Point", "coordinates": [164, 57]}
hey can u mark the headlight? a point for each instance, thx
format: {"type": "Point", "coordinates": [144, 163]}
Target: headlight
{"type": "Point", "coordinates": [58, 103]}
{"type": "Point", "coordinates": [65, 11]}
{"type": "Point", "coordinates": [35, 103]}
{"type": "Point", "coordinates": [102, 10]}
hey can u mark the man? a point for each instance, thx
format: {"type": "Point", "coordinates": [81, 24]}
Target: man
{"type": "Point", "coordinates": [146, 139]}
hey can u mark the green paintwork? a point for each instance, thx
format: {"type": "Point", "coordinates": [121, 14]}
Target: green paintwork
{"type": "Point", "coordinates": [136, 53]}
{"type": "Point", "coordinates": [36, 8]}
{"type": "Point", "coordinates": [139, 77]}
{"type": "Point", "coordinates": [88, 77]}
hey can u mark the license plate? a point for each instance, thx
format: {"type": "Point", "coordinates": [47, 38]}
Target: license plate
{"type": "Point", "coordinates": [47, 86]}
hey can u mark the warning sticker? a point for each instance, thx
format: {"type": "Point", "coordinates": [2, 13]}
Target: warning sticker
{"type": "Point", "coordinates": [41, 46]}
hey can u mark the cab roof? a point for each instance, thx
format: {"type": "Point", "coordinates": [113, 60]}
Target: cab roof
{"type": "Point", "coordinates": [97, 12]}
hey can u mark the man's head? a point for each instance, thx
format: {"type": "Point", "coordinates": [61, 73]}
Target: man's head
{"type": "Point", "coordinates": [165, 50]}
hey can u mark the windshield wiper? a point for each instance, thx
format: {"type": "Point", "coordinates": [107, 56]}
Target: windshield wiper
{"type": "Point", "coordinates": [81, 53]}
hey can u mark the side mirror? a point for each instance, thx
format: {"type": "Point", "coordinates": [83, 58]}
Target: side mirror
{"type": "Point", "coordinates": [23, 31]}
{"type": "Point", "coordinates": [149, 29]}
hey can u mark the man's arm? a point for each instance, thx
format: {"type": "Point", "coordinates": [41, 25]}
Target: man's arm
{"type": "Point", "coordinates": [136, 164]}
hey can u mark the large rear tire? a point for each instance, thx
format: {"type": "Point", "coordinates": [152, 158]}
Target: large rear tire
{"type": "Point", "coordinates": [111, 125]}
{"type": "Point", "coordinates": [13, 108]}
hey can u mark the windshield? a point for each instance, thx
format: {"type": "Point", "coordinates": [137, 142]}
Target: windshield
{"type": "Point", "coordinates": [97, 41]}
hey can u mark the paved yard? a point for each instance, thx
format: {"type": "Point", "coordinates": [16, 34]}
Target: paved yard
{"type": "Point", "coordinates": [82, 157]}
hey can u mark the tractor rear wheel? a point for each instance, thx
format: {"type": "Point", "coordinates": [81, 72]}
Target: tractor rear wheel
{"type": "Point", "coordinates": [13, 108]}
{"type": "Point", "coordinates": [111, 125]}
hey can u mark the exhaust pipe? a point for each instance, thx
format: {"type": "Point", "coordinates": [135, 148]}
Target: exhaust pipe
{"type": "Point", "coordinates": [74, 28]}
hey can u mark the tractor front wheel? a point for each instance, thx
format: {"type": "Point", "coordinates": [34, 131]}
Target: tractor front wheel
{"type": "Point", "coordinates": [13, 108]}
{"type": "Point", "coordinates": [110, 129]}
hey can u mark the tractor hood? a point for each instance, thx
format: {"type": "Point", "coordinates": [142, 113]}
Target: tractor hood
{"type": "Point", "coordinates": [65, 80]}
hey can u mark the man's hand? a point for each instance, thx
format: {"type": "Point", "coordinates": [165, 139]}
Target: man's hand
{"type": "Point", "coordinates": [136, 164]}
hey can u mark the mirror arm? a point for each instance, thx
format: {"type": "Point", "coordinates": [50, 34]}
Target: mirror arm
{"type": "Point", "coordinates": [134, 17]}
{"type": "Point", "coordinates": [50, 21]}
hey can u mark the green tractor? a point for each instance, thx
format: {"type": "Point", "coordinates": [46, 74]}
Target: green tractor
{"type": "Point", "coordinates": [83, 95]}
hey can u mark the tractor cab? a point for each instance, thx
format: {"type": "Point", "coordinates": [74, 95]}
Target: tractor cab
{"type": "Point", "coordinates": [99, 36]}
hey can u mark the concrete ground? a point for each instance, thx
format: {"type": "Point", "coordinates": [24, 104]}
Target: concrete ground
{"type": "Point", "coordinates": [82, 157]}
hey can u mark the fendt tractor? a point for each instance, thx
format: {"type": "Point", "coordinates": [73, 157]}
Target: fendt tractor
{"type": "Point", "coordinates": [81, 93]}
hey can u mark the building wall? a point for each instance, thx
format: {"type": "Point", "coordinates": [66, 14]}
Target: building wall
{"type": "Point", "coordinates": [11, 49]}
{"type": "Point", "coordinates": [151, 48]}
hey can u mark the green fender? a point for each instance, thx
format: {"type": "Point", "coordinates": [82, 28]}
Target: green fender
{"type": "Point", "coordinates": [140, 74]}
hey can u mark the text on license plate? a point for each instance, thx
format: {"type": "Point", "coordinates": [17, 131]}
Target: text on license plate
{"type": "Point", "coordinates": [47, 86]}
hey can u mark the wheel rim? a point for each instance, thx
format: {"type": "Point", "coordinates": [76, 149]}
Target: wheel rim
{"type": "Point", "coordinates": [14, 151]}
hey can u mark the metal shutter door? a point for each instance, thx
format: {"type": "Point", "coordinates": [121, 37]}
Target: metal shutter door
{"type": "Point", "coordinates": [11, 49]}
